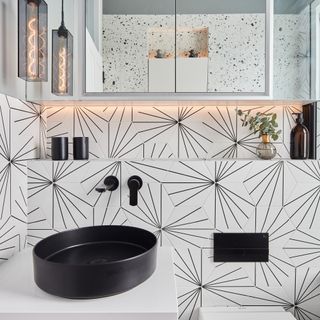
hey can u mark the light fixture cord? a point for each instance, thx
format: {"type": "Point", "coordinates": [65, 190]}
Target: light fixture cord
{"type": "Point", "coordinates": [62, 12]}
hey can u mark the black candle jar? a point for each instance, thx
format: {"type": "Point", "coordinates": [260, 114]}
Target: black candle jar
{"type": "Point", "coordinates": [80, 148]}
{"type": "Point", "coordinates": [59, 148]}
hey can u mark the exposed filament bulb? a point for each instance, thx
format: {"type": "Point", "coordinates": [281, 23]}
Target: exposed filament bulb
{"type": "Point", "coordinates": [62, 85]}
{"type": "Point", "coordinates": [32, 67]}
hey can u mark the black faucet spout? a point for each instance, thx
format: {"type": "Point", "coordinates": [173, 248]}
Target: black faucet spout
{"type": "Point", "coordinates": [110, 183]}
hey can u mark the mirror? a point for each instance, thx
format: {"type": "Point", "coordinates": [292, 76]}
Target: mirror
{"type": "Point", "coordinates": [176, 46]}
{"type": "Point", "coordinates": [208, 47]}
{"type": "Point", "coordinates": [221, 46]}
{"type": "Point", "coordinates": [123, 38]}
{"type": "Point", "coordinates": [292, 49]}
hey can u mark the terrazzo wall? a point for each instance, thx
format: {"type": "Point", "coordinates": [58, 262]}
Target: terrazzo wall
{"type": "Point", "coordinates": [125, 51]}
{"type": "Point", "coordinates": [292, 55]}
{"type": "Point", "coordinates": [20, 141]}
{"type": "Point", "coordinates": [236, 51]}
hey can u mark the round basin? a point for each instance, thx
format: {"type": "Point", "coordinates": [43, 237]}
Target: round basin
{"type": "Point", "coordinates": [94, 262]}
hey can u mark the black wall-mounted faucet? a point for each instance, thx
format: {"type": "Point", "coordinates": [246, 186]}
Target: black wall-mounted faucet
{"type": "Point", "coordinates": [134, 183]}
{"type": "Point", "coordinates": [111, 183]}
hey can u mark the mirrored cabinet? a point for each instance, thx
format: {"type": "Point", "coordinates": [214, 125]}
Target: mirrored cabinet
{"type": "Point", "coordinates": [179, 46]}
{"type": "Point", "coordinates": [172, 50]}
{"type": "Point", "coordinates": [248, 48]}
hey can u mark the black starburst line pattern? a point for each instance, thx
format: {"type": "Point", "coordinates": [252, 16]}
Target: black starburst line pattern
{"type": "Point", "coordinates": [114, 220]}
{"type": "Point", "coordinates": [22, 206]}
{"type": "Point", "coordinates": [303, 246]}
{"type": "Point", "coordinates": [33, 113]}
{"type": "Point", "coordinates": [307, 291]}
{"type": "Point", "coordinates": [225, 197]}
{"type": "Point", "coordinates": [119, 150]}
{"type": "Point", "coordinates": [188, 272]}
{"type": "Point", "coordinates": [187, 138]}
{"type": "Point", "coordinates": [309, 198]}
{"type": "Point", "coordinates": [37, 183]}
{"type": "Point", "coordinates": [48, 136]}
{"type": "Point", "coordinates": [135, 165]}
{"type": "Point", "coordinates": [155, 153]}
{"type": "Point", "coordinates": [303, 294]}
{"type": "Point", "coordinates": [8, 244]}
{"type": "Point", "coordinates": [63, 199]}
{"type": "Point", "coordinates": [271, 176]}
{"type": "Point", "coordinates": [5, 150]}
{"type": "Point", "coordinates": [227, 286]}
{"type": "Point", "coordinates": [184, 228]}
{"type": "Point", "coordinates": [14, 164]}
{"type": "Point", "coordinates": [199, 182]}
{"type": "Point", "coordinates": [225, 129]}
{"type": "Point", "coordinates": [35, 230]}
{"type": "Point", "coordinates": [86, 120]}
{"type": "Point", "coordinates": [188, 135]}
{"type": "Point", "coordinates": [43, 132]}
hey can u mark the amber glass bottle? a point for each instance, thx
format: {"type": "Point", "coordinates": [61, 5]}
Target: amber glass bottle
{"type": "Point", "coordinates": [299, 142]}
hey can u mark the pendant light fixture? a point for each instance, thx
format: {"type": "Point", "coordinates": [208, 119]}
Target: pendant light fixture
{"type": "Point", "coordinates": [62, 59]}
{"type": "Point", "coordinates": [33, 40]}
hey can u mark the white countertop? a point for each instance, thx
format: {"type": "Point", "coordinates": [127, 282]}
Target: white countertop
{"type": "Point", "coordinates": [21, 299]}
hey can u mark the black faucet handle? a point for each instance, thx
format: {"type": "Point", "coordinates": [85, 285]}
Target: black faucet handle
{"type": "Point", "coordinates": [134, 183]}
{"type": "Point", "coordinates": [111, 183]}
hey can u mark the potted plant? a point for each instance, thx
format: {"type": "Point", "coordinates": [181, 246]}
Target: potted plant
{"type": "Point", "coordinates": [266, 125]}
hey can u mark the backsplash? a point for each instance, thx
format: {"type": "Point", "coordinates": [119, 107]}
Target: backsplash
{"type": "Point", "coordinates": [183, 203]}
{"type": "Point", "coordinates": [19, 142]}
{"type": "Point", "coordinates": [189, 192]}
{"type": "Point", "coordinates": [165, 132]}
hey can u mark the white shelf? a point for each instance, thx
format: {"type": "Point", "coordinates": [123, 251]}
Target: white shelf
{"type": "Point", "coordinates": [21, 299]}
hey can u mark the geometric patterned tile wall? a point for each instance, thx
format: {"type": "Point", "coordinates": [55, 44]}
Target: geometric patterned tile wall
{"type": "Point", "coordinates": [183, 203]}
{"type": "Point", "coordinates": [166, 132]}
{"type": "Point", "coordinates": [19, 142]}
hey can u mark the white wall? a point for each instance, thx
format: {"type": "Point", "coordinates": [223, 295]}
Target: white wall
{"type": "Point", "coordinates": [10, 84]}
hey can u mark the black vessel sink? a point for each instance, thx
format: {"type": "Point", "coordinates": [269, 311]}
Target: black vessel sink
{"type": "Point", "coordinates": [94, 262]}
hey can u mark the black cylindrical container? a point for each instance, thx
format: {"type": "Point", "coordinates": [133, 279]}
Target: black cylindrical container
{"type": "Point", "coordinates": [80, 148]}
{"type": "Point", "coordinates": [59, 148]}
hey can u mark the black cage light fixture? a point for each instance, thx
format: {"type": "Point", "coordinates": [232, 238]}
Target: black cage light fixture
{"type": "Point", "coordinates": [62, 59]}
{"type": "Point", "coordinates": [33, 40]}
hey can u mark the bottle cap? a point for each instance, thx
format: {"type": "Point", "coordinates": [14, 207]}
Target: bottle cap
{"type": "Point", "coordinates": [299, 117]}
